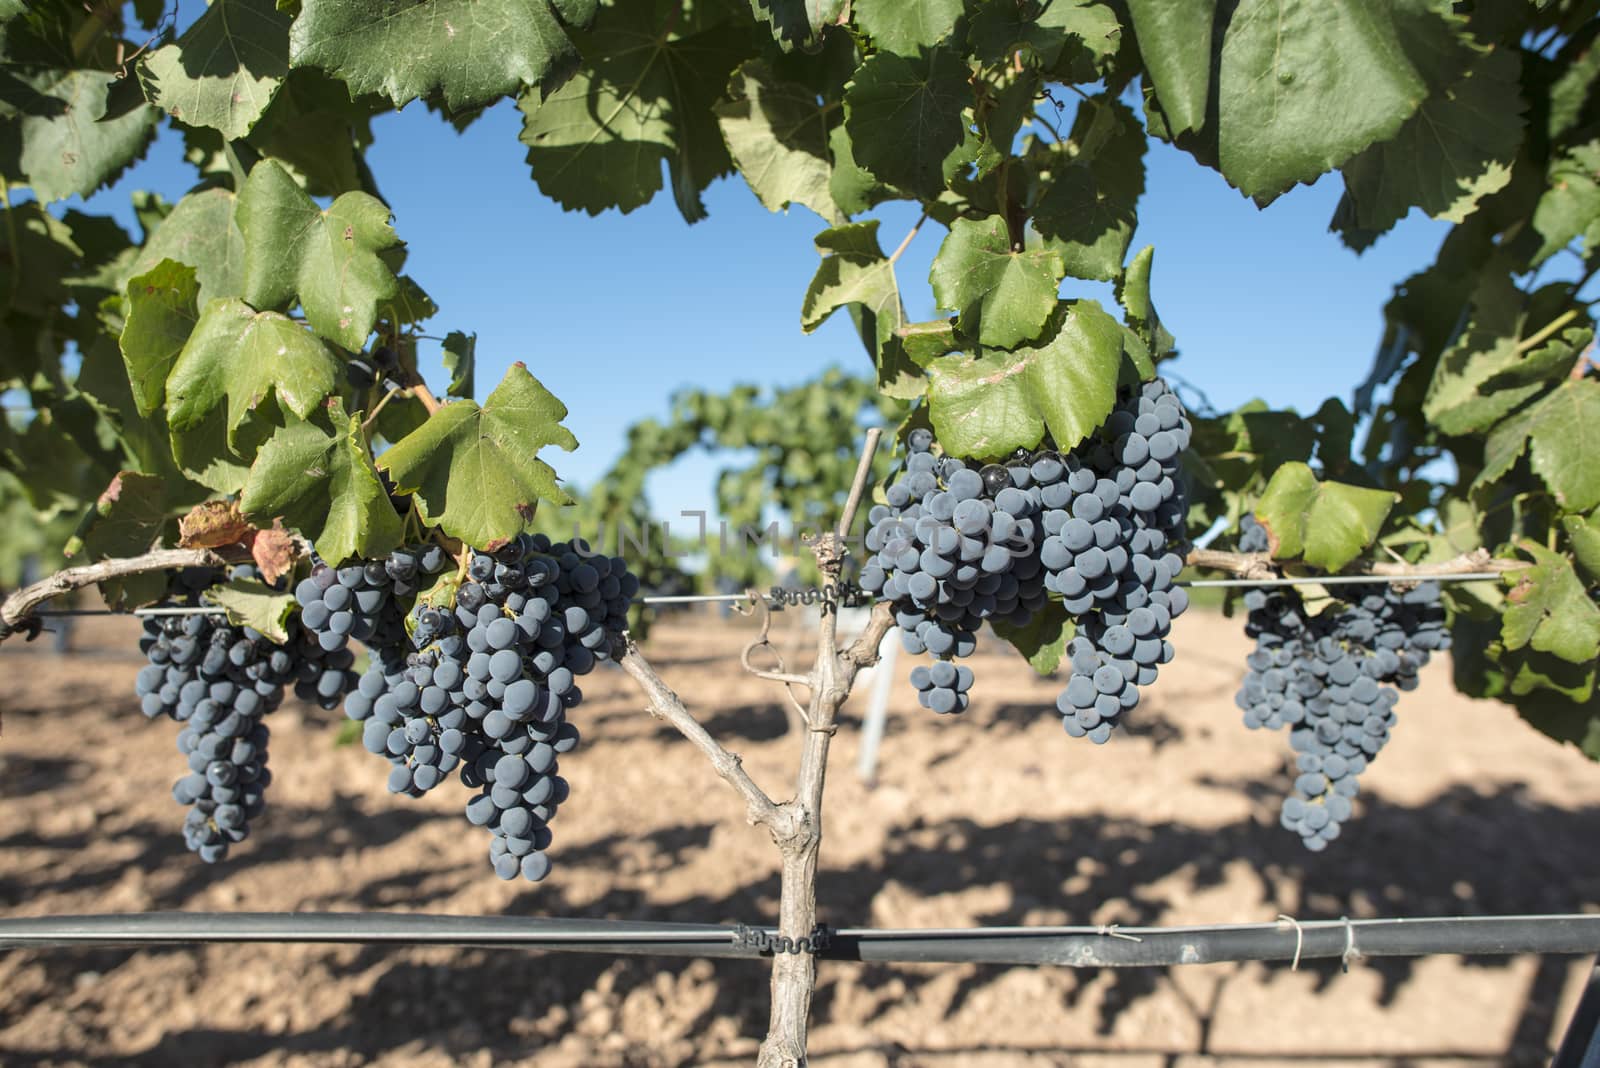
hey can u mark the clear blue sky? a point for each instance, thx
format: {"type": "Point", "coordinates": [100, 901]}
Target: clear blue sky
{"type": "Point", "coordinates": [615, 312]}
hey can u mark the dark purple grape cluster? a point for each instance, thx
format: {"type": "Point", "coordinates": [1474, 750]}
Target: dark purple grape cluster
{"type": "Point", "coordinates": [953, 547]}
{"type": "Point", "coordinates": [482, 687]}
{"type": "Point", "coordinates": [219, 681]}
{"type": "Point", "coordinates": [1099, 527]}
{"type": "Point", "coordinates": [1333, 679]}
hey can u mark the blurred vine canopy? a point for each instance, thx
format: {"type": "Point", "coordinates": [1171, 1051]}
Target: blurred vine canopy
{"type": "Point", "coordinates": [251, 345]}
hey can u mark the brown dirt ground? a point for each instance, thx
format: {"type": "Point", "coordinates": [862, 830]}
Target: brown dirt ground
{"type": "Point", "coordinates": [991, 818]}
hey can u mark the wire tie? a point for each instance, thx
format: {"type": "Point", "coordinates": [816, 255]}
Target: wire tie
{"type": "Point", "coordinates": [1299, 939]}
{"type": "Point", "coordinates": [1109, 930]}
{"type": "Point", "coordinates": [1350, 951]}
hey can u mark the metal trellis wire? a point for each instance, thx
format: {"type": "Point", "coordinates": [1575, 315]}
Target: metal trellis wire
{"type": "Point", "coordinates": [707, 598]}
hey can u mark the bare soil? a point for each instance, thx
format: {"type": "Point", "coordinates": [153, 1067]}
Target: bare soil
{"type": "Point", "coordinates": [994, 817]}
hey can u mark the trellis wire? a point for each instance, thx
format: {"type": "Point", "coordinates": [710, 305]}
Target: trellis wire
{"type": "Point", "coordinates": [1075, 947]}
{"type": "Point", "coordinates": [707, 598]}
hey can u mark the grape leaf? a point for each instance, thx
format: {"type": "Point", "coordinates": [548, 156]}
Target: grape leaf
{"type": "Point", "coordinates": [239, 355]}
{"type": "Point", "coordinates": [852, 188]}
{"type": "Point", "coordinates": [1456, 150]}
{"type": "Point", "coordinates": [1003, 297]}
{"type": "Point", "coordinates": [896, 26]}
{"type": "Point", "coordinates": [904, 116]}
{"type": "Point", "coordinates": [1175, 42]}
{"type": "Point", "coordinates": [1071, 38]}
{"type": "Point", "coordinates": [855, 273]}
{"type": "Point", "coordinates": [1042, 640]}
{"type": "Point", "coordinates": [1328, 524]}
{"type": "Point", "coordinates": [1088, 211]}
{"type": "Point", "coordinates": [225, 69]}
{"type": "Point", "coordinates": [201, 232]}
{"type": "Point", "coordinates": [213, 524]}
{"type": "Point", "coordinates": [1302, 86]}
{"type": "Point", "coordinates": [317, 477]}
{"type": "Point", "coordinates": [1066, 384]}
{"type": "Point", "coordinates": [161, 313]}
{"type": "Point", "coordinates": [128, 519]}
{"type": "Point", "coordinates": [1584, 534]}
{"type": "Point", "coordinates": [471, 52]}
{"type": "Point", "coordinates": [1570, 206]}
{"type": "Point", "coordinates": [328, 259]}
{"type": "Point", "coordinates": [1133, 293]}
{"type": "Point", "coordinates": [643, 98]}
{"type": "Point", "coordinates": [1486, 374]}
{"type": "Point", "coordinates": [777, 134]}
{"type": "Point", "coordinates": [252, 603]}
{"type": "Point", "coordinates": [797, 22]}
{"type": "Point", "coordinates": [475, 471]}
{"type": "Point", "coordinates": [925, 342]}
{"type": "Point", "coordinates": [70, 144]}
{"type": "Point", "coordinates": [1566, 440]}
{"type": "Point", "coordinates": [460, 359]}
{"type": "Point", "coordinates": [1549, 610]}
{"type": "Point", "coordinates": [317, 131]}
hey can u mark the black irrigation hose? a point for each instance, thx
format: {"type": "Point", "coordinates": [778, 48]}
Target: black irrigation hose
{"type": "Point", "coordinates": [1078, 947]}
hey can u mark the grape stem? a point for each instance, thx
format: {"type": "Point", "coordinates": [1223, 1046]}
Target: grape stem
{"type": "Point", "coordinates": [1260, 565]}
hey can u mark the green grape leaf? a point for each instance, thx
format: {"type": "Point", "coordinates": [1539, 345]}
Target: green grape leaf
{"type": "Point", "coordinates": [317, 477]}
{"type": "Point", "coordinates": [1042, 641]}
{"type": "Point", "coordinates": [777, 134]}
{"type": "Point", "coordinates": [203, 453]}
{"type": "Point", "coordinates": [853, 189]}
{"type": "Point", "coordinates": [1302, 87]}
{"type": "Point", "coordinates": [797, 22]}
{"type": "Point", "coordinates": [460, 359]}
{"type": "Point", "coordinates": [1584, 534]}
{"type": "Point", "coordinates": [896, 26]}
{"type": "Point", "coordinates": [1548, 609]}
{"type": "Point", "coordinates": [225, 69]}
{"type": "Point", "coordinates": [328, 259]}
{"type": "Point", "coordinates": [1570, 206]}
{"type": "Point", "coordinates": [1175, 42]}
{"type": "Point", "coordinates": [644, 98]}
{"type": "Point", "coordinates": [855, 274]}
{"type": "Point", "coordinates": [239, 355]}
{"type": "Point", "coordinates": [1456, 150]}
{"type": "Point", "coordinates": [1003, 297]}
{"type": "Point", "coordinates": [70, 144]}
{"type": "Point", "coordinates": [161, 313]}
{"type": "Point", "coordinates": [201, 232]}
{"type": "Point", "coordinates": [925, 342]}
{"type": "Point", "coordinates": [128, 519]}
{"type": "Point", "coordinates": [318, 132]}
{"type": "Point", "coordinates": [1328, 524]}
{"type": "Point", "coordinates": [1488, 373]}
{"type": "Point", "coordinates": [252, 603]}
{"type": "Point", "coordinates": [1133, 293]}
{"type": "Point", "coordinates": [469, 52]}
{"type": "Point", "coordinates": [904, 116]}
{"type": "Point", "coordinates": [1065, 384]}
{"type": "Point", "coordinates": [1088, 211]}
{"type": "Point", "coordinates": [1565, 432]}
{"type": "Point", "coordinates": [1001, 28]}
{"type": "Point", "coordinates": [475, 472]}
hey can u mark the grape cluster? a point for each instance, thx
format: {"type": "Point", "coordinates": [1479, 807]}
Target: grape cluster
{"type": "Point", "coordinates": [219, 681]}
{"type": "Point", "coordinates": [952, 548]}
{"type": "Point", "coordinates": [483, 687]}
{"type": "Point", "coordinates": [1333, 679]}
{"type": "Point", "coordinates": [1099, 527]}
{"type": "Point", "coordinates": [1114, 512]}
